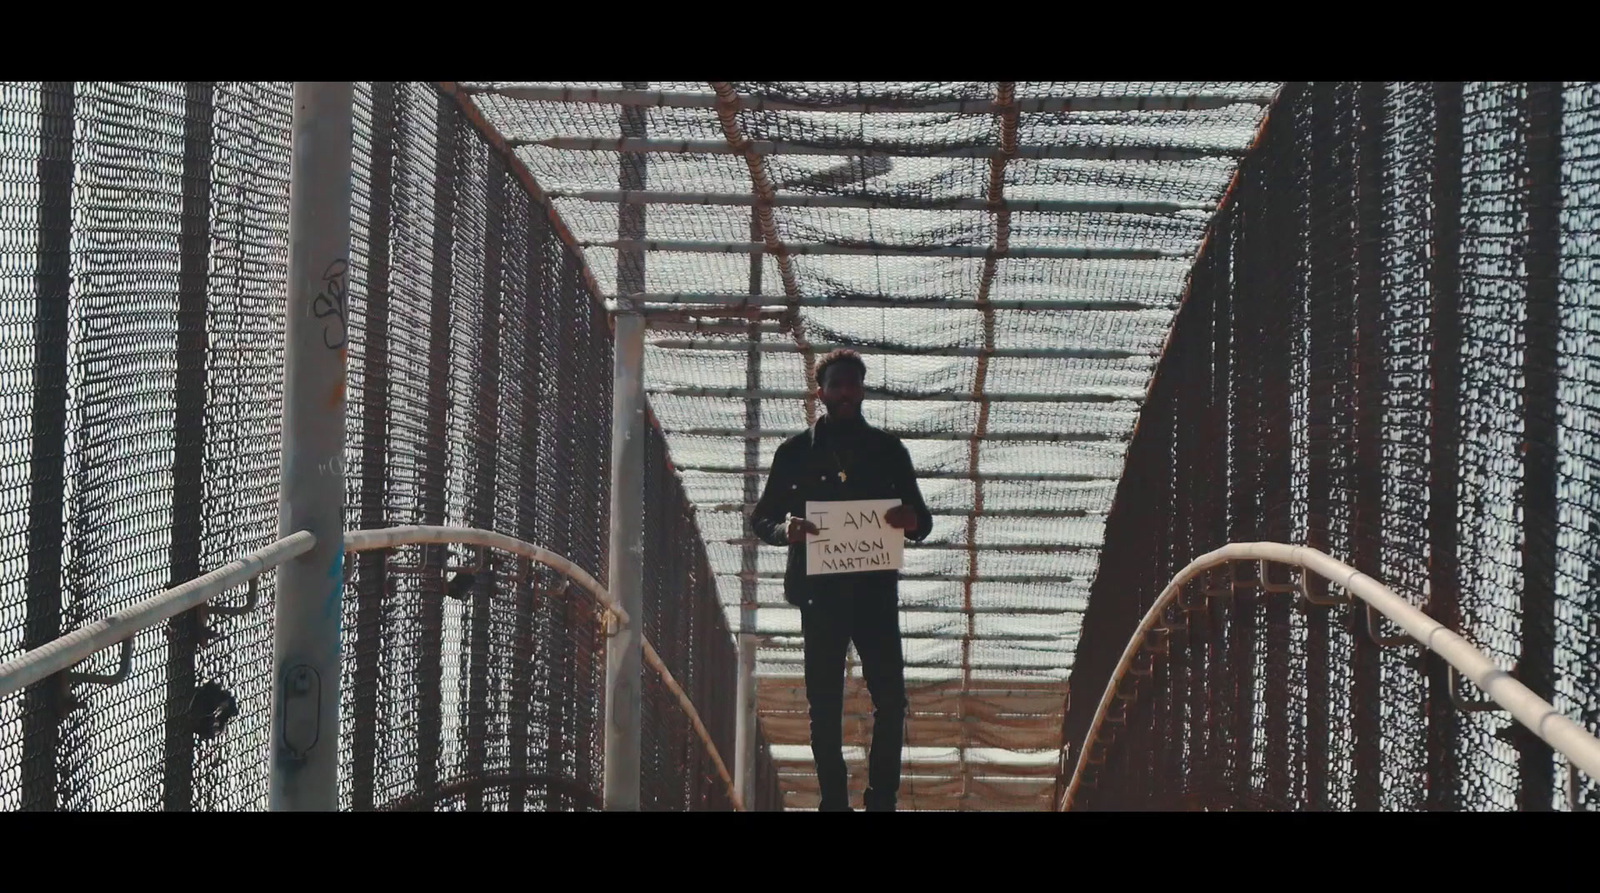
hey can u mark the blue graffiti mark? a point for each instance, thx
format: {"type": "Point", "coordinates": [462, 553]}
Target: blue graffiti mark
{"type": "Point", "coordinates": [330, 608]}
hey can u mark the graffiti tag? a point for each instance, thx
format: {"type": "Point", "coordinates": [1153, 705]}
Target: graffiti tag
{"type": "Point", "coordinates": [332, 305]}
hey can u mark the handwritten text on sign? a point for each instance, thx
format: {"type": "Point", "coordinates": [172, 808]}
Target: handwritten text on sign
{"type": "Point", "coordinates": [853, 537]}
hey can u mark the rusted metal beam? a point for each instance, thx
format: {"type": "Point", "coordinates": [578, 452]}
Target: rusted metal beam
{"type": "Point", "coordinates": [1034, 105]}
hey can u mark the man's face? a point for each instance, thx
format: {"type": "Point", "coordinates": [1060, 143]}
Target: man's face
{"type": "Point", "coordinates": [840, 392]}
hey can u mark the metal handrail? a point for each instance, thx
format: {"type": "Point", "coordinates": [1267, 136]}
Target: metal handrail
{"type": "Point", "coordinates": [431, 535]}
{"type": "Point", "coordinates": [67, 651]}
{"type": "Point", "coordinates": [120, 628]}
{"type": "Point", "coordinates": [422, 535]}
{"type": "Point", "coordinates": [1538, 715]}
{"type": "Point", "coordinates": [654, 660]}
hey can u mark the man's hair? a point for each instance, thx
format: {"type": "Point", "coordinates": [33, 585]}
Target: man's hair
{"type": "Point", "coordinates": [841, 357]}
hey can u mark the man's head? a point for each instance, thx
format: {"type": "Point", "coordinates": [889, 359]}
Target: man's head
{"type": "Point", "coordinates": [839, 384]}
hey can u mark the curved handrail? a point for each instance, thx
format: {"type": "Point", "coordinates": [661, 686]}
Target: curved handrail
{"type": "Point", "coordinates": [415, 535]}
{"type": "Point", "coordinates": [432, 535]}
{"type": "Point", "coordinates": [1537, 714]}
{"type": "Point", "coordinates": [68, 650]}
{"type": "Point", "coordinates": [74, 647]}
{"type": "Point", "coordinates": [655, 662]}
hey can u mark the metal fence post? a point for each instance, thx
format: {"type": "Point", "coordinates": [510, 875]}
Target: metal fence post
{"type": "Point", "coordinates": [624, 653]}
{"type": "Point", "coordinates": [1443, 757]}
{"type": "Point", "coordinates": [305, 706]}
{"type": "Point", "coordinates": [1542, 412]}
{"type": "Point", "coordinates": [189, 442]}
{"type": "Point", "coordinates": [624, 684]}
{"type": "Point", "coordinates": [744, 761]}
{"type": "Point", "coordinates": [47, 475]}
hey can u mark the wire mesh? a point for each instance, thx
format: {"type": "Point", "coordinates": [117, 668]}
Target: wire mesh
{"type": "Point", "coordinates": [141, 352]}
{"type": "Point", "coordinates": [1386, 351]}
{"type": "Point", "coordinates": [694, 643]}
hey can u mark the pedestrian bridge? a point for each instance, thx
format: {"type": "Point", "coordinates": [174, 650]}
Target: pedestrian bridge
{"type": "Point", "coordinates": [388, 446]}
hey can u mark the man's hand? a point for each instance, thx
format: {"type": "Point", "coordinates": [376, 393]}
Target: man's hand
{"type": "Point", "coordinates": [901, 517]}
{"type": "Point", "coordinates": [798, 528]}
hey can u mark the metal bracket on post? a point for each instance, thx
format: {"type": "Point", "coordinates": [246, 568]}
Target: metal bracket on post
{"type": "Point", "coordinates": [466, 576]}
{"type": "Point", "coordinates": [1180, 623]}
{"type": "Point", "coordinates": [1189, 606]}
{"type": "Point", "coordinates": [444, 566]}
{"type": "Point", "coordinates": [524, 573]}
{"type": "Point", "coordinates": [1384, 641]}
{"type": "Point", "coordinates": [1236, 583]}
{"type": "Point", "coordinates": [67, 679]}
{"type": "Point", "coordinates": [124, 667]}
{"type": "Point", "coordinates": [1297, 586]}
{"type": "Point", "coordinates": [1319, 602]}
{"type": "Point", "coordinates": [1212, 592]}
{"type": "Point", "coordinates": [421, 567]}
{"type": "Point", "coordinates": [1264, 580]}
{"type": "Point", "coordinates": [1162, 643]}
{"type": "Point", "coordinates": [204, 632]}
{"type": "Point", "coordinates": [1096, 748]}
{"type": "Point", "coordinates": [252, 596]}
{"type": "Point", "coordinates": [1465, 705]}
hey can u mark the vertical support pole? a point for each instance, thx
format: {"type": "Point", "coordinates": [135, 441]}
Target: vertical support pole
{"type": "Point", "coordinates": [189, 443]}
{"type": "Point", "coordinates": [1367, 542]}
{"type": "Point", "coordinates": [1444, 507]}
{"type": "Point", "coordinates": [1321, 394]}
{"type": "Point", "coordinates": [436, 449]}
{"type": "Point", "coordinates": [624, 684]}
{"type": "Point", "coordinates": [1541, 413]}
{"type": "Point", "coordinates": [372, 566]}
{"type": "Point", "coordinates": [1275, 468]}
{"type": "Point", "coordinates": [1180, 662]}
{"type": "Point", "coordinates": [1209, 296]}
{"type": "Point", "coordinates": [566, 753]}
{"type": "Point", "coordinates": [42, 704]}
{"type": "Point", "coordinates": [485, 477]}
{"type": "Point", "coordinates": [1219, 440]}
{"type": "Point", "coordinates": [624, 655]}
{"type": "Point", "coordinates": [305, 703]}
{"type": "Point", "coordinates": [584, 523]}
{"type": "Point", "coordinates": [525, 649]}
{"type": "Point", "coordinates": [744, 760]}
{"type": "Point", "coordinates": [1244, 498]}
{"type": "Point", "coordinates": [1159, 702]}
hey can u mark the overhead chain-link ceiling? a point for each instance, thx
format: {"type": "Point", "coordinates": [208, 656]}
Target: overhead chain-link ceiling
{"type": "Point", "coordinates": [1007, 256]}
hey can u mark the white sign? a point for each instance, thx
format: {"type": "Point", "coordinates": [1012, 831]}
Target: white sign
{"type": "Point", "coordinates": [853, 537]}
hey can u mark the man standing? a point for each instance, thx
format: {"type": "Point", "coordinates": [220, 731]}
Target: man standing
{"type": "Point", "coordinates": [844, 458]}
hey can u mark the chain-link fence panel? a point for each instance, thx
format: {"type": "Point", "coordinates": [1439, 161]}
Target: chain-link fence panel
{"type": "Point", "coordinates": [1387, 351]}
{"type": "Point", "coordinates": [141, 351]}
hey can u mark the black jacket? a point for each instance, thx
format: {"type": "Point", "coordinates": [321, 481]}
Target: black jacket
{"type": "Point", "coordinates": [806, 469]}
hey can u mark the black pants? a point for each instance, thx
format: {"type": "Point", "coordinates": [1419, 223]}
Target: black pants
{"type": "Point", "coordinates": [830, 623]}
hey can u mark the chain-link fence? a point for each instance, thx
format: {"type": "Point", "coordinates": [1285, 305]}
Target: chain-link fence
{"type": "Point", "coordinates": [1389, 351]}
{"type": "Point", "coordinates": [144, 262]}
